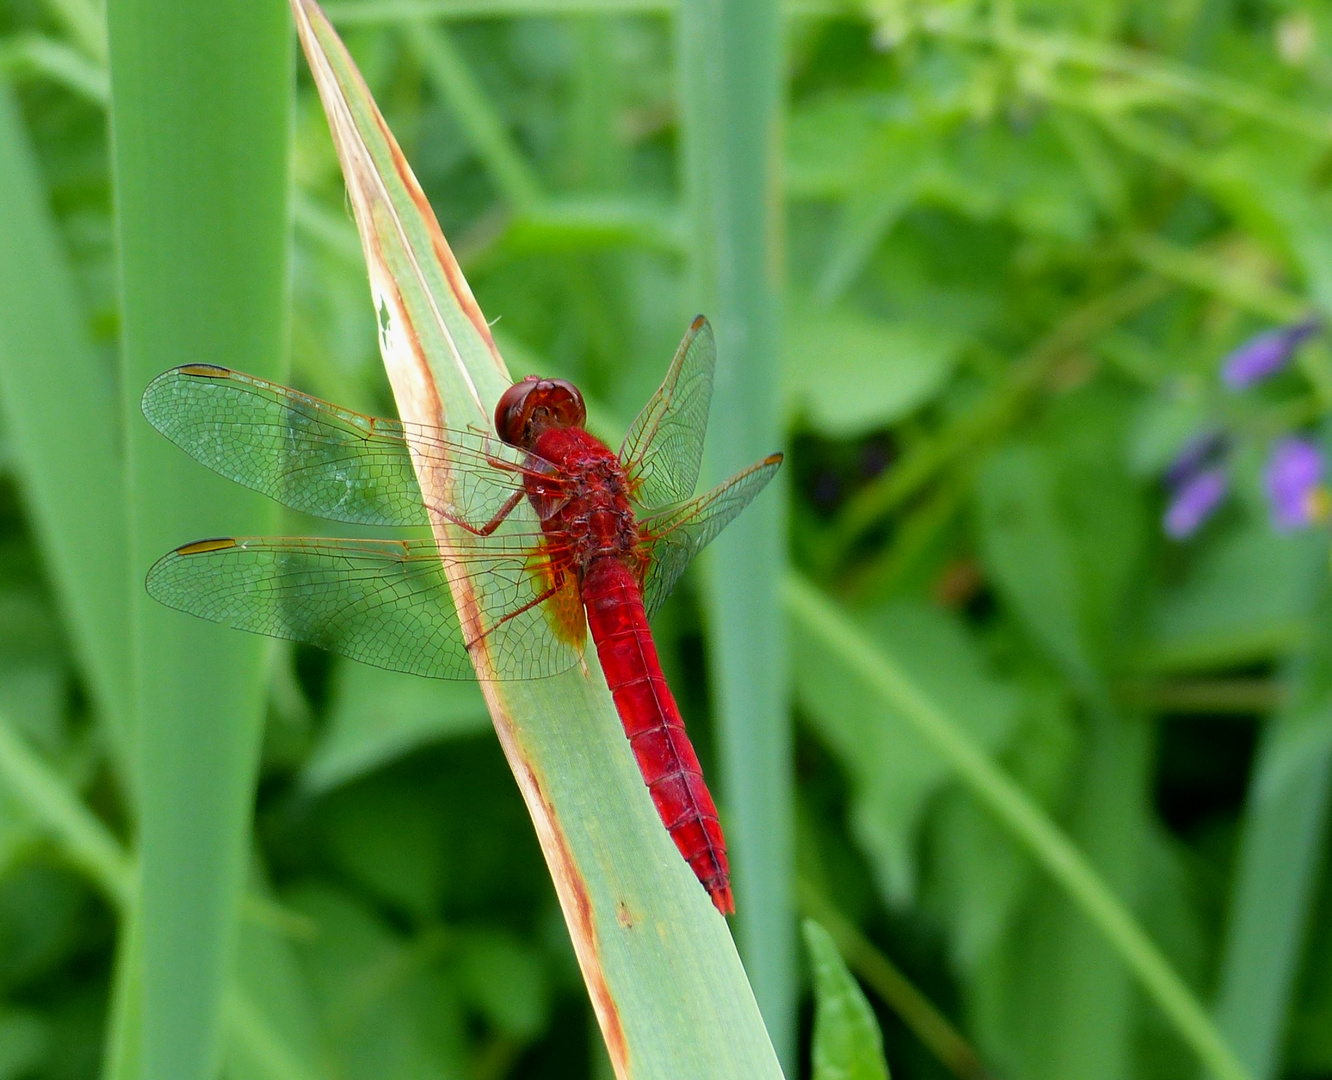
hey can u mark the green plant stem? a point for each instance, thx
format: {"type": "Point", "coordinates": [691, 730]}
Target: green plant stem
{"type": "Point", "coordinates": [1239, 696]}
{"type": "Point", "coordinates": [1028, 824]}
{"type": "Point", "coordinates": [88, 842]}
{"type": "Point", "coordinates": [560, 223]}
{"type": "Point", "coordinates": [916, 1011]}
{"type": "Point", "coordinates": [1275, 887]}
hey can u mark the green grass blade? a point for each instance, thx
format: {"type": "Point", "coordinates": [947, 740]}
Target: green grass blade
{"type": "Point", "coordinates": [88, 844]}
{"type": "Point", "coordinates": [50, 373]}
{"type": "Point", "coordinates": [730, 78]}
{"type": "Point", "coordinates": [1276, 884]}
{"type": "Point", "coordinates": [661, 970]}
{"type": "Point", "coordinates": [847, 1042]}
{"type": "Point", "coordinates": [1055, 853]}
{"type": "Point", "coordinates": [200, 120]}
{"type": "Point", "coordinates": [1280, 850]}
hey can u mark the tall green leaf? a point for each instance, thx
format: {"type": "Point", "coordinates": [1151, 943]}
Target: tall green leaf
{"type": "Point", "coordinates": [200, 117]}
{"type": "Point", "coordinates": [730, 75]}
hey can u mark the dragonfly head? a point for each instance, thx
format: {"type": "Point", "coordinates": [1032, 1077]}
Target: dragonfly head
{"type": "Point", "coordinates": [528, 408]}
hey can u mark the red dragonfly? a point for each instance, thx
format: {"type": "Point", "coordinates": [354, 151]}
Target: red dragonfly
{"type": "Point", "coordinates": [567, 536]}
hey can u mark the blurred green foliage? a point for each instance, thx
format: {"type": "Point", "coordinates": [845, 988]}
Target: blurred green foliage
{"type": "Point", "coordinates": [1020, 240]}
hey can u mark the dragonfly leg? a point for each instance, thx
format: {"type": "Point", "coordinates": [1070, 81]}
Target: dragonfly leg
{"type": "Point", "coordinates": [545, 595]}
{"type": "Point", "coordinates": [494, 523]}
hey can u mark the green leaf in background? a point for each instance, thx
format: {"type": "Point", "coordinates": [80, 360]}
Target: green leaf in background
{"type": "Point", "coordinates": [1029, 554]}
{"type": "Point", "coordinates": [49, 372]}
{"type": "Point", "coordinates": [848, 374]}
{"type": "Point", "coordinates": [382, 836]}
{"type": "Point", "coordinates": [25, 1042]}
{"type": "Point", "coordinates": [386, 1008]}
{"type": "Point", "coordinates": [376, 716]}
{"type": "Point", "coordinates": [505, 980]}
{"type": "Point", "coordinates": [1120, 759]}
{"type": "Point", "coordinates": [847, 1042]}
{"type": "Point", "coordinates": [1310, 1038]}
{"type": "Point", "coordinates": [1062, 534]}
{"type": "Point", "coordinates": [977, 876]}
{"type": "Point", "coordinates": [893, 770]}
{"type": "Point", "coordinates": [1242, 598]}
{"type": "Point", "coordinates": [1055, 999]}
{"type": "Point", "coordinates": [273, 1030]}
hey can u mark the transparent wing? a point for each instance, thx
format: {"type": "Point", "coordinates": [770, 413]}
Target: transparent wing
{"type": "Point", "coordinates": [383, 602]}
{"type": "Point", "coordinates": [664, 446]}
{"type": "Point", "coordinates": [328, 461]}
{"type": "Point", "coordinates": [673, 537]}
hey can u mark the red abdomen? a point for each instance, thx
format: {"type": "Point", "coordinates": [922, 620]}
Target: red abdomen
{"type": "Point", "coordinates": [618, 625]}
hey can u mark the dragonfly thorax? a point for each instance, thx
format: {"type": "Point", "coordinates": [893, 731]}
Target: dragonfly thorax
{"type": "Point", "coordinates": [596, 519]}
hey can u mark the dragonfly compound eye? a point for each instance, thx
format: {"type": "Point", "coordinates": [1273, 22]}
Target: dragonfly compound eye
{"type": "Point", "coordinates": [527, 408]}
{"type": "Point", "coordinates": [511, 411]}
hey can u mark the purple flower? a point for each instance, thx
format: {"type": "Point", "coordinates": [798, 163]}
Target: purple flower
{"type": "Point", "coordinates": [1294, 481]}
{"type": "Point", "coordinates": [1265, 354]}
{"type": "Point", "coordinates": [1193, 501]}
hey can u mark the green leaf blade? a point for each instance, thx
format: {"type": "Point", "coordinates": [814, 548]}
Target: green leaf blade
{"type": "Point", "coordinates": [847, 1042]}
{"type": "Point", "coordinates": [201, 125]}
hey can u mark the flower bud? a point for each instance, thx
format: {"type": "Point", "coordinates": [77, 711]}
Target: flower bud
{"type": "Point", "coordinates": [1263, 355]}
{"type": "Point", "coordinates": [1193, 502]}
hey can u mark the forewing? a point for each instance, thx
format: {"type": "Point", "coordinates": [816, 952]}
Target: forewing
{"type": "Point", "coordinates": [383, 602]}
{"type": "Point", "coordinates": [664, 446]}
{"type": "Point", "coordinates": [325, 460]}
{"type": "Point", "coordinates": [673, 537]}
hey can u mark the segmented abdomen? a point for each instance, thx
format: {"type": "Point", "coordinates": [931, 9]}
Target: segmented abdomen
{"type": "Point", "coordinates": [618, 624]}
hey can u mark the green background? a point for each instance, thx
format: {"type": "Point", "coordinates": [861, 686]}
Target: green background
{"type": "Point", "coordinates": [1056, 785]}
